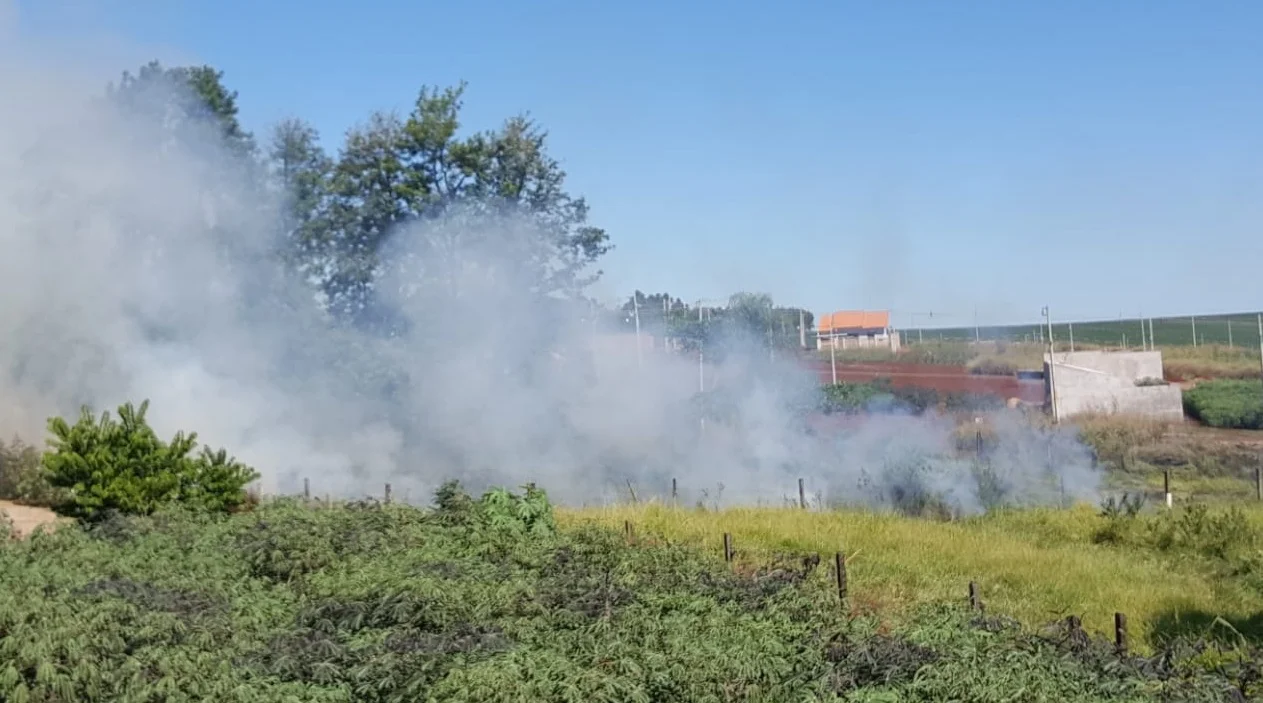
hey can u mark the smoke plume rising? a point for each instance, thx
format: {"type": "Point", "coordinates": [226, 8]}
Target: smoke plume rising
{"type": "Point", "coordinates": [134, 265]}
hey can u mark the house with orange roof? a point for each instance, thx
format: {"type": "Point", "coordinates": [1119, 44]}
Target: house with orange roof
{"type": "Point", "coordinates": [856, 329]}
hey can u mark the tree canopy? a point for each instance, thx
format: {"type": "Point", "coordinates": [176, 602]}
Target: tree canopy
{"type": "Point", "coordinates": [402, 189]}
{"type": "Point", "coordinates": [754, 316]}
{"type": "Point", "coordinates": [341, 211]}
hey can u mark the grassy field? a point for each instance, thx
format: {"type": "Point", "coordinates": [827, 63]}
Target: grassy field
{"type": "Point", "coordinates": [506, 598]}
{"type": "Point", "coordinates": [1035, 565]}
{"type": "Point", "coordinates": [1237, 329]}
{"type": "Point", "coordinates": [1181, 362]}
{"type": "Point", "coordinates": [487, 600]}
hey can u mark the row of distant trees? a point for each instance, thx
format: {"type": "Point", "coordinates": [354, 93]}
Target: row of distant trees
{"type": "Point", "coordinates": [752, 317]}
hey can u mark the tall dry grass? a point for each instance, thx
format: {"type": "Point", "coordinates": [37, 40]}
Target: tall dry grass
{"type": "Point", "coordinates": [1034, 565]}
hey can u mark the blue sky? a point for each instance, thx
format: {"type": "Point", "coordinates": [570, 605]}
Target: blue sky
{"type": "Point", "coordinates": [1099, 158]}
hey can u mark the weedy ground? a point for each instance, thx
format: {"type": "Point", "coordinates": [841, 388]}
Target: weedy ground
{"type": "Point", "coordinates": [1180, 362]}
{"type": "Point", "coordinates": [1173, 573]}
{"type": "Point", "coordinates": [487, 600]}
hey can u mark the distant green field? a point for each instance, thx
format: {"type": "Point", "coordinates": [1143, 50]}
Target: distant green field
{"type": "Point", "coordinates": [1238, 329]}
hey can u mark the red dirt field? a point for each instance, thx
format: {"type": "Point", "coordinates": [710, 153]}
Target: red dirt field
{"type": "Point", "coordinates": [944, 379]}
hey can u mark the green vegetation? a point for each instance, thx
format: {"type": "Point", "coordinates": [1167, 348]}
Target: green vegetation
{"type": "Point", "coordinates": [880, 396]}
{"type": "Point", "coordinates": [1172, 573]}
{"type": "Point", "coordinates": [1226, 403]}
{"type": "Point", "coordinates": [939, 353]}
{"type": "Point", "coordinates": [1210, 361]}
{"type": "Point", "coordinates": [21, 476]}
{"type": "Point", "coordinates": [103, 466]}
{"type": "Point", "coordinates": [482, 600]}
{"type": "Point", "coordinates": [1239, 329]}
{"type": "Point", "coordinates": [501, 598]}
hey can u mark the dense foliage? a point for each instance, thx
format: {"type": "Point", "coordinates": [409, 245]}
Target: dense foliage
{"type": "Point", "coordinates": [341, 212]}
{"type": "Point", "coordinates": [107, 465]}
{"type": "Point", "coordinates": [1226, 403]}
{"type": "Point", "coordinates": [752, 320]}
{"type": "Point", "coordinates": [482, 600]}
{"type": "Point", "coordinates": [881, 396]}
{"type": "Point", "coordinates": [21, 475]}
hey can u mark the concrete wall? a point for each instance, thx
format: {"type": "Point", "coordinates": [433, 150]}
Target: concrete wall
{"type": "Point", "coordinates": [884, 339]}
{"type": "Point", "coordinates": [1105, 382]}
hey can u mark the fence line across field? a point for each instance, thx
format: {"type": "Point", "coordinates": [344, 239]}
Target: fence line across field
{"type": "Point", "coordinates": [1233, 330]}
{"type": "Point", "coordinates": [1167, 494]}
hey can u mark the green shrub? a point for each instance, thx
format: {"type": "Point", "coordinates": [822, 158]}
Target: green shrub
{"type": "Point", "coordinates": [109, 465]}
{"type": "Point", "coordinates": [1226, 403]}
{"type": "Point", "coordinates": [852, 397]}
{"type": "Point", "coordinates": [21, 478]}
{"type": "Point", "coordinates": [879, 395]}
{"type": "Point", "coordinates": [382, 603]}
{"type": "Point", "coordinates": [993, 367]}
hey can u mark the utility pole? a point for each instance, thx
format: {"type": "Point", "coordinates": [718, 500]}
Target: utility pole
{"type": "Point", "coordinates": [701, 381]}
{"type": "Point", "coordinates": [802, 329]}
{"type": "Point", "coordinates": [640, 356]}
{"type": "Point", "coordinates": [1261, 345]}
{"type": "Point", "coordinates": [1070, 326]}
{"type": "Point", "coordinates": [1230, 332]}
{"type": "Point", "coordinates": [1194, 321]}
{"type": "Point", "coordinates": [1142, 333]}
{"type": "Point", "coordinates": [1052, 387]}
{"type": "Point", "coordinates": [833, 358]}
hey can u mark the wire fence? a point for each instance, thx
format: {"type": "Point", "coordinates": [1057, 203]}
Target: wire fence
{"type": "Point", "coordinates": [1234, 330]}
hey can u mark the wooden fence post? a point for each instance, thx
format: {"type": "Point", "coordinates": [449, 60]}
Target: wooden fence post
{"type": "Point", "coordinates": [306, 490]}
{"type": "Point", "coordinates": [675, 495]}
{"type": "Point", "coordinates": [978, 444]}
{"type": "Point", "coordinates": [627, 529]}
{"type": "Point", "coordinates": [1258, 483]}
{"type": "Point", "coordinates": [388, 494]}
{"type": "Point", "coordinates": [727, 547]}
{"type": "Point", "coordinates": [839, 566]}
{"type": "Point", "coordinates": [1120, 633]}
{"type": "Point", "coordinates": [1166, 485]}
{"type": "Point", "coordinates": [975, 597]}
{"type": "Point", "coordinates": [802, 495]}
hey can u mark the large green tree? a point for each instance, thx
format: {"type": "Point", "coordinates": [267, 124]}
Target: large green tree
{"type": "Point", "coordinates": [303, 175]}
{"type": "Point", "coordinates": [181, 97]}
{"type": "Point", "coordinates": [392, 171]}
{"type": "Point", "coordinates": [339, 214]}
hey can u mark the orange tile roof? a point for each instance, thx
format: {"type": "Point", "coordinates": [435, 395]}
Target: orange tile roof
{"type": "Point", "coordinates": [855, 320]}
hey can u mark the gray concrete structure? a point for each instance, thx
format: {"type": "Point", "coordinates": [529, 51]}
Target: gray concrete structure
{"type": "Point", "coordinates": [1106, 382]}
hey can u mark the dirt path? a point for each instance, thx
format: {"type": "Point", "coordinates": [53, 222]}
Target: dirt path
{"type": "Point", "coordinates": [1194, 431]}
{"type": "Point", "coordinates": [25, 518]}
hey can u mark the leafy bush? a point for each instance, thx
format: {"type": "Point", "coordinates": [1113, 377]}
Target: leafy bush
{"type": "Point", "coordinates": [853, 397]}
{"type": "Point", "coordinates": [1226, 403]}
{"type": "Point", "coordinates": [992, 367]}
{"type": "Point", "coordinates": [21, 477]}
{"type": "Point", "coordinates": [377, 603]}
{"type": "Point", "coordinates": [880, 396]}
{"type": "Point", "coordinates": [109, 465]}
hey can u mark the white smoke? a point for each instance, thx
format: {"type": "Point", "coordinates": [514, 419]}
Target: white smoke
{"type": "Point", "coordinates": [137, 266]}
